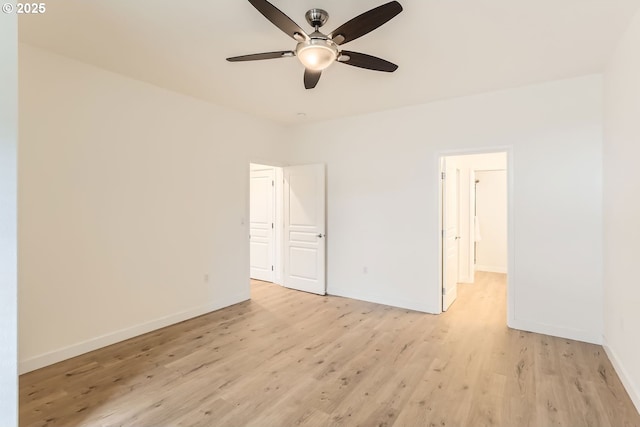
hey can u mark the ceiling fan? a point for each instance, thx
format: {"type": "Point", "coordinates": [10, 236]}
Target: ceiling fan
{"type": "Point", "coordinates": [317, 51]}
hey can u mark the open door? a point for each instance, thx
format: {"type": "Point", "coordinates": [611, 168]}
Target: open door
{"type": "Point", "coordinates": [450, 235]}
{"type": "Point", "coordinates": [261, 225]}
{"type": "Point", "coordinates": [304, 228]}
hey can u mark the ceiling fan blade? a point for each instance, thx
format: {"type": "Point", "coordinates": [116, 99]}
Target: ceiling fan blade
{"type": "Point", "coordinates": [279, 19]}
{"type": "Point", "coordinates": [365, 23]}
{"type": "Point", "coordinates": [369, 62]}
{"type": "Point", "coordinates": [259, 56]}
{"type": "Point", "coordinates": [311, 78]}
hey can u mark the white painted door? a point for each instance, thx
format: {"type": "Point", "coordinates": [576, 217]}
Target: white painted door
{"type": "Point", "coordinates": [261, 224]}
{"type": "Point", "coordinates": [304, 228]}
{"type": "Point", "coordinates": [450, 238]}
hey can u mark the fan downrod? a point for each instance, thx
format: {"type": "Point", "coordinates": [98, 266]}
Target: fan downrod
{"type": "Point", "coordinates": [317, 17]}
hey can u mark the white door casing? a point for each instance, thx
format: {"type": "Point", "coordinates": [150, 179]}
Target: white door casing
{"type": "Point", "coordinates": [261, 225]}
{"type": "Point", "coordinates": [450, 238]}
{"type": "Point", "coordinates": [304, 228]}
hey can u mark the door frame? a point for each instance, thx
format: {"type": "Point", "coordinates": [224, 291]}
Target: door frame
{"type": "Point", "coordinates": [278, 233]}
{"type": "Point", "coordinates": [510, 220]}
{"type": "Point", "coordinates": [273, 200]}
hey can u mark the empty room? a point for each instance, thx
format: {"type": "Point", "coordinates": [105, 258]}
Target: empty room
{"type": "Point", "coordinates": [319, 213]}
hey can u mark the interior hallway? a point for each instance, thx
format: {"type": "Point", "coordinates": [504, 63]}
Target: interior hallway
{"type": "Point", "coordinates": [291, 358]}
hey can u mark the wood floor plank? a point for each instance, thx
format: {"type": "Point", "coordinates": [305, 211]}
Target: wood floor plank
{"type": "Point", "coordinates": [289, 358]}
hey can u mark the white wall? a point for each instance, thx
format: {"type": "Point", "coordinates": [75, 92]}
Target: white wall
{"type": "Point", "coordinates": [128, 195]}
{"type": "Point", "coordinates": [8, 239]}
{"type": "Point", "coordinates": [491, 203]}
{"type": "Point", "coordinates": [622, 210]}
{"type": "Point", "coordinates": [382, 177]}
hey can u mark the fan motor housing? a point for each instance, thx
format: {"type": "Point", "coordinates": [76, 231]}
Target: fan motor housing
{"type": "Point", "coordinates": [317, 17]}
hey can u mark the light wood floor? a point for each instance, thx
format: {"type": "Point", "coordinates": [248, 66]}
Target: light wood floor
{"type": "Point", "coordinates": [289, 358]}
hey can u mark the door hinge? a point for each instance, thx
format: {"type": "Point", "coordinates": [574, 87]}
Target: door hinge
{"type": "Point", "coordinates": [443, 175]}
{"type": "Point", "coordinates": [272, 183]}
{"type": "Point", "coordinates": [271, 225]}
{"type": "Point", "coordinates": [272, 268]}
{"type": "Point", "coordinates": [444, 291]}
{"type": "Point", "coordinates": [444, 233]}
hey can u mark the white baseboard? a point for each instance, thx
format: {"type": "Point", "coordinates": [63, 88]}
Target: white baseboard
{"type": "Point", "coordinates": [77, 349]}
{"type": "Point", "coordinates": [491, 268]}
{"type": "Point", "coordinates": [627, 382]}
{"type": "Point", "coordinates": [380, 299]}
{"type": "Point", "coordinates": [545, 329]}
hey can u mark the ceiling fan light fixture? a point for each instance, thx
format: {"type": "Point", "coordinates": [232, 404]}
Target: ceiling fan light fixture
{"type": "Point", "coordinates": [317, 50]}
{"type": "Point", "coordinates": [317, 54]}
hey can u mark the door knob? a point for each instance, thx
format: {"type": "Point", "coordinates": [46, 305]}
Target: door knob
{"type": "Point", "coordinates": [321, 235]}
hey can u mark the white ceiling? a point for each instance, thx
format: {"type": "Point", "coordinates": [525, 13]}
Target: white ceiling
{"type": "Point", "coordinates": [445, 48]}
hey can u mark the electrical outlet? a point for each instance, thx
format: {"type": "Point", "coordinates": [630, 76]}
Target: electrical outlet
{"type": "Point", "coordinates": [206, 278]}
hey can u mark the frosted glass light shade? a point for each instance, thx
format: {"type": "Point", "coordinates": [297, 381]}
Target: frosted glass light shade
{"type": "Point", "coordinates": [317, 54]}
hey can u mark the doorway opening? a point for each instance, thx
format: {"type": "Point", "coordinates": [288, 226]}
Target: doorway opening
{"type": "Point", "coordinates": [265, 223]}
{"type": "Point", "coordinates": [287, 226]}
{"type": "Point", "coordinates": [474, 220]}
